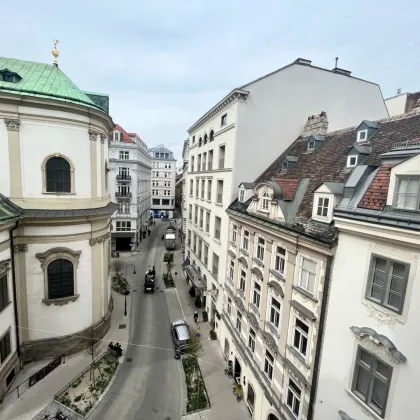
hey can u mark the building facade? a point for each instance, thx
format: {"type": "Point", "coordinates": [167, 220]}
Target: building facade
{"type": "Point", "coordinates": [163, 182]}
{"type": "Point", "coordinates": [373, 309]}
{"type": "Point", "coordinates": [54, 160]}
{"type": "Point", "coordinates": [402, 103]}
{"type": "Point", "coordinates": [130, 180]}
{"type": "Point", "coordinates": [229, 144]}
{"type": "Point", "coordinates": [282, 259]}
{"type": "Point", "coordinates": [10, 214]}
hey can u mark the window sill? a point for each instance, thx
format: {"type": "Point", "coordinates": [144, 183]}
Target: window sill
{"type": "Point", "coordinates": [58, 193]}
{"type": "Point", "coordinates": [207, 233]}
{"type": "Point", "coordinates": [273, 330]}
{"type": "Point", "coordinates": [263, 211]}
{"type": "Point", "coordinates": [60, 301]}
{"type": "Point", "coordinates": [208, 201]}
{"type": "Point", "coordinates": [258, 262]}
{"type": "Point", "coordinates": [277, 274]}
{"type": "Point", "coordinates": [305, 293]}
{"type": "Point", "coordinates": [389, 311]}
{"type": "Point", "coordinates": [233, 243]}
{"type": "Point", "coordinates": [217, 241]}
{"type": "Point", "coordinates": [219, 204]}
{"type": "Point", "coordinates": [298, 355]}
{"type": "Point", "coordinates": [5, 307]}
{"type": "Point", "coordinates": [244, 251]}
{"type": "Point", "coordinates": [363, 405]}
{"type": "Point", "coordinates": [254, 309]}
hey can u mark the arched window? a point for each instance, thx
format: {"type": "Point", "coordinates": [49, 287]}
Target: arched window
{"type": "Point", "coordinates": [58, 175]}
{"type": "Point", "coordinates": [211, 135]}
{"type": "Point", "coordinates": [205, 138]}
{"type": "Point", "coordinates": [60, 279]}
{"type": "Point", "coordinates": [264, 201]}
{"type": "Point", "coordinates": [250, 398]}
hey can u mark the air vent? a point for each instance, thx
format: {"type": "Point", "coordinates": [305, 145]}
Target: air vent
{"type": "Point", "coordinates": [342, 71]}
{"type": "Point", "coordinates": [303, 61]}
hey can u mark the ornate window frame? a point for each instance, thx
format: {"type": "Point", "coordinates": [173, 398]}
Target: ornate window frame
{"type": "Point", "coordinates": [44, 175]}
{"type": "Point", "coordinates": [51, 255]}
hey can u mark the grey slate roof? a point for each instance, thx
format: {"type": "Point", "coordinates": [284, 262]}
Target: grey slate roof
{"type": "Point", "coordinates": [247, 185]}
{"type": "Point", "coordinates": [47, 214]}
{"type": "Point", "coordinates": [8, 210]}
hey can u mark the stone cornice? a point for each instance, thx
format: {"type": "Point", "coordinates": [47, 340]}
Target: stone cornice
{"type": "Point", "coordinates": [227, 100]}
{"type": "Point", "coordinates": [100, 239]}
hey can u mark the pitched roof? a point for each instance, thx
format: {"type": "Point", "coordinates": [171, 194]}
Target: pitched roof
{"type": "Point", "coordinates": [125, 138]}
{"type": "Point", "coordinates": [377, 192]}
{"type": "Point", "coordinates": [288, 187]}
{"type": "Point", "coordinates": [43, 81]}
{"type": "Point", "coordinates": [327, 163]}
{"type": "Point", "coordinates": [247, 185]}
{"type": "Point", "coordinates": [8, 210]}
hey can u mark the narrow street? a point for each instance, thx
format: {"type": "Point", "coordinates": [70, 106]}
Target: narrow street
{"type": "Point", "coordinates": [148, 386]}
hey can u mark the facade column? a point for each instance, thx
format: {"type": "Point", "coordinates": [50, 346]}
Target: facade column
{"type": "Point", "coordinates": [15, 172]}
{"type": "Point", "coordinates": [93, 136]}
{"type": "Point", "coordinates": [103, 175]}
{"type": "Point", "coordinates": [22, 292]}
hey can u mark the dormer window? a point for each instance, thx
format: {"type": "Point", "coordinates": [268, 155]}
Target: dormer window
{"type": "Point", "coordinates": [326, 197]}
{"type": "Point", "coordinates": [407, 196]}
{"type": "Point", "coordinates": [288, 162]}
{"type": "Point", "coordinates": [362, 135]}
{"type": "Point", "coordinates": [311, 145]}
{"type": "Point", "coordinates": [285, 165]}
{"type": "Point", "coordinates": [116, 136]}
{"type": "Point", "coordinates": [9, 76]}
{"type": "Point", "coordinates": [323, 206]}
{"type": "Point", "coordinates": [264, 201]}
{"type": "Point", "coordinates": [315, 141]}
{"type": "Point", "coordinates": [352, 161]}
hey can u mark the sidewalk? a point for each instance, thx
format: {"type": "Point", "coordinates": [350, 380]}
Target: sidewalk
{"type": "Point", "coordinates": [41, 394]}
{"type": "Point", "coordinates": [212, 363]}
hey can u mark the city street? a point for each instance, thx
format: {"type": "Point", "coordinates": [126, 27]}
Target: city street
{"type": "Point", "coordinates": [148, 386]}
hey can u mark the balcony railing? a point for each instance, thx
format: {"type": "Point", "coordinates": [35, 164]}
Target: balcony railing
{"type": "Point", "coordinates": [123, 194]}
{"type": "Point", "coordinates": [123, 215]}
{"type": "Point", "coordinates": [124, 177]}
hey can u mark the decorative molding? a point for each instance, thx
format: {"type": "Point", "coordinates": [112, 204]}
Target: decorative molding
{"type": "Point", "coordinates": [270, 342]}
{"type": "Point", "coordinates": [382, 315]}
{"type": "Point", "coordinates": [12, 125]}
{"type": "Point", "coordinates": [344, 415]}
{"type": "Point", "coordinates": [103, 137]}
{"type": "Point", "coordinates": [5, 265]}
{"type": "Point", "coordinates": [58, 253]}
{"type": "Point", "coordinates": [93, 135]}
{"type": "Point", "coordinates": [21, 248]}
{"type": "Point", "coordinates": [378, 344]}
{"type": "Point", "coordinates": [278, 290]}
{"type": "Point", "coordinates": [100, 239]}
{"type": "Point", "coordinates": [60, 301]}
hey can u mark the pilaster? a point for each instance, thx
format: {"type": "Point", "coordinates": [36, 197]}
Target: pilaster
{"type": "Point", "coordinates": [15, 173]}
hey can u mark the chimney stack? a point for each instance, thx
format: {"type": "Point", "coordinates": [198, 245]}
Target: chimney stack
{"type": "Point", "coordinates": [316, 124]}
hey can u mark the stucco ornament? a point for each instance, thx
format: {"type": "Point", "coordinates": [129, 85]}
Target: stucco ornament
{"type": "Point", "coordinates": [100, 239]}
{"type": "Point", "coordinates": [4, 265]}
{"type": "Point", "coordinates": [12, 125]}
{"type": "Point", "coordinates": [93, 135]}
{"type": "Point", "coordinates": [21, 248]}
{"type": "Point", "coordinates": [378, 344]}
{"type": "Point", "coordinates": [58, 253]}
{"type": "Point", "coordinates": [103, 137]}
{"type": "Point", "coordinates": [382, 316]}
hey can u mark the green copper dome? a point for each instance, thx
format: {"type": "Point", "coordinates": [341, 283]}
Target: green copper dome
{"type": "Point", "coordinates": [40, 80]}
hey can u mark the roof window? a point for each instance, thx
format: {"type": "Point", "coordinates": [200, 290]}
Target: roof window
{"type": "Point", "coordinates": [315, 141]}
{"type": "Point", "coordinates": [362, 135]}
{"type": "Point", "coordinates": [288, 162]}
{"type": "Point", "coordinates": [9, 76]}
{"type": "Point", "coordinates": [352, 161]}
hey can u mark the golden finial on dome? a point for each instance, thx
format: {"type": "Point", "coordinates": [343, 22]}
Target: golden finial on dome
{"type": "Point", "coordinates": [55, 52]}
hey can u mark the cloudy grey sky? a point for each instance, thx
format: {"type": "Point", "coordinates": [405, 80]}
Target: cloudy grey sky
{"type": "Point", "coordinates": [164, 63]}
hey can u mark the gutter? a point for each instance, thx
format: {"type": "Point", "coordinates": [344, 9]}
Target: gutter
{"type": "Point", "coordinates": [317, 362]}
{"type": "Point", "coordinates": [12, 252]}
{"type": "Point", "coordinates": [367, 213]}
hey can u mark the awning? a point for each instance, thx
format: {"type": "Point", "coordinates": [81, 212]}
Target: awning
{"type": "Point", "coordinates": [195, 277]}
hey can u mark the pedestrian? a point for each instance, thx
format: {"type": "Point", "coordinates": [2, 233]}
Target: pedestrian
{"type": "Point", "coordinates": [196, 317]}
{"type": "Point", "coordinates": [149, 231]}
{"type": "Point", "coordinates": [153, 271]}
{"type": "Point", "coordinates": [181, 239]}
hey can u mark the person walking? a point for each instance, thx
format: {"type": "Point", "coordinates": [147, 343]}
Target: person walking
{"type": "Point", "coordinates": [149, 232]}
{"type": "Point", "coordinates": [196, 317]}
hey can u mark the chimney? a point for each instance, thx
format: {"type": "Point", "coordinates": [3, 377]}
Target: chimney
{"type": "Point", "coordinates": [316, 124]}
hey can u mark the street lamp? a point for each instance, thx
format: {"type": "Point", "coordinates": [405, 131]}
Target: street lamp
{"type": "Point", "coordinates": [126, 292]}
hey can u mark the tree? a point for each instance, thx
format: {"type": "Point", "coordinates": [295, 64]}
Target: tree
{"type": "Point", "coordinates": [169, 260]}
{"type": "Point", "coordinates": [195, 345]}
{"type": "Point", "coordinates": [93, 350]}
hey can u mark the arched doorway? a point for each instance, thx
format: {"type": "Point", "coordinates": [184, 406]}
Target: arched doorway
{"type": "Point", "coordinates": [272, 417]}
{"type": "Point", "coordinates": [250, 398]}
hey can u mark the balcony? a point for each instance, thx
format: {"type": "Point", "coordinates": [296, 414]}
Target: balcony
{"type": "Point", "coordinates": [123, 215]}
{"type": "Point", "coordinates": [123, 177]}
{"type": "Point", "coordinates": [123, 194]}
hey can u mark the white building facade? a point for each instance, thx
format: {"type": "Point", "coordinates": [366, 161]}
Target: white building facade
{"type": "Point", "coordinates": [369, 368]}
{"type": "Point", "coordinates": [54, 164]}
{"type": "Point", "coordinates": [130, 181]}
{"type": "Point", "coordinates": [240, 136]}
{"type": "Point", "coordinates": [163, 182]}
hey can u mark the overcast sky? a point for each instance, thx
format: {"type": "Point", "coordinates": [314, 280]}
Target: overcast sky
{"type": "Point", "coordinates": [164, 63]}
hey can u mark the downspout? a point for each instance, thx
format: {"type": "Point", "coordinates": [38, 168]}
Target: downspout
{"type": "Point", "coordinates": [12, 254]}
{"type": "Point", "coordinates": [314, 385]}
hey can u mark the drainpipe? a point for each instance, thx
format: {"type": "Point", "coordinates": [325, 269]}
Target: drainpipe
{"type": "Point", "coordinates": [12, 254]}
{"type": "Point", "coordinates": [314, 385]}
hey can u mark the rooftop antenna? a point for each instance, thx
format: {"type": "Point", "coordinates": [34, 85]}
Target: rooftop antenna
{"type": "Point", "coordinates": [336, 62]}
{"type": "Point", "coordinates": [399, 90]}
{"type": "Point", "coordinates": [55, 52]}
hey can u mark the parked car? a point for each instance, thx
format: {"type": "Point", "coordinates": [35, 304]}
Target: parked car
{"type": "Point", "coordinates": [180, 334]}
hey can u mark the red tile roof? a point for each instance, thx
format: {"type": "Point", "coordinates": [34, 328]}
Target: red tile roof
{"type": "Point", "coordinates": [125, 138]}
{"type": "Point", "coordinates": [288, 187]}
{"type": "Point", "coordinates": [377, 192]}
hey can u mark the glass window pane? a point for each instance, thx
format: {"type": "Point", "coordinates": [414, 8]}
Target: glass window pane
{"type": "Point", "coordinates": [296, 339]}
{"type": "Point", "coordinates": [397, 285]}
{"type": "Point", "coordinates": [376, 292]}
{"type": "Point", "coordinates": [362, 382]}
{"type": "Point", "coordinates": [379, 393]}
{"type": "Point", "coordinates": [383, 369]}
{"type": "Point", "coordinates": [289, 399]}
{"type": "Point", "coordinates": [399, 269]}
{"type": "Point", "coordinates": [309, 265]}
{"type": "Point", "coordinates": [395, 300]}
{"type": "Point", "coordinates": [366, 358]}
